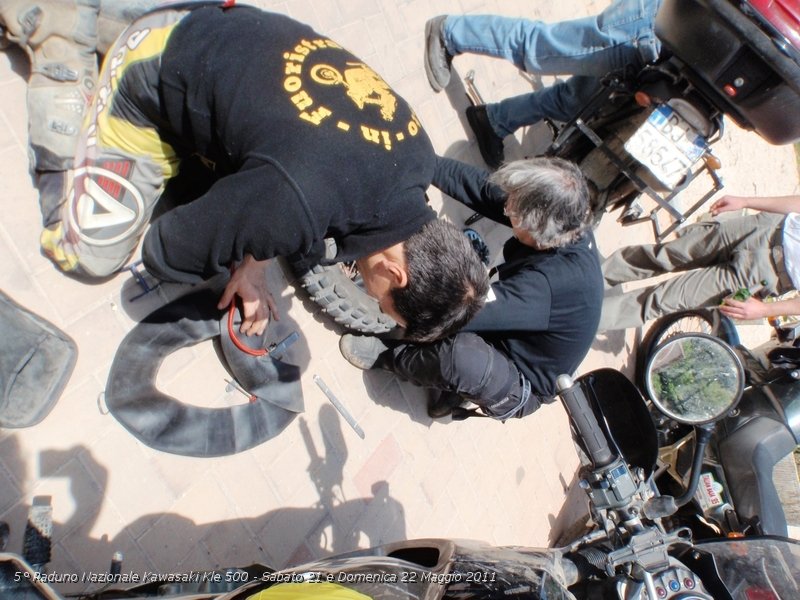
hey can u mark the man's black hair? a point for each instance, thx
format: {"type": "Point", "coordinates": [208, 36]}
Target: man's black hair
{"type": "Point", "coordinates": [447, 283]}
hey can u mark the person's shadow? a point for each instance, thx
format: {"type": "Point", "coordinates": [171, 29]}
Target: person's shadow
{"type": "Point", "coordinates": [278, 538]}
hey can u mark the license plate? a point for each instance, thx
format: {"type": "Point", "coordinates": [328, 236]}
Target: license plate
{"type": "Point", "coordinates": [667, 145]}
{"type": "Point", "coordinates": [708, 492]}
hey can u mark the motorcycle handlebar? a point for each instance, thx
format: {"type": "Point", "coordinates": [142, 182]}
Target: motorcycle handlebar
{"type": "Point", "coordinates": [583, 418]}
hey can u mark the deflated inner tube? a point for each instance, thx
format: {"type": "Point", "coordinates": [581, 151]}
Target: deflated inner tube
{"type": "Point", "coordinates": [167, 424]}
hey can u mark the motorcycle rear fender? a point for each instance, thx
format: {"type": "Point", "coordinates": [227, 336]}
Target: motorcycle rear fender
{"type": "Point", "coordinates": [748, 457]}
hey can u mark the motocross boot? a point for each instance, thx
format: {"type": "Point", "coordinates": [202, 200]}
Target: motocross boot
{"type": "Point", "coordinates": [60, 37]}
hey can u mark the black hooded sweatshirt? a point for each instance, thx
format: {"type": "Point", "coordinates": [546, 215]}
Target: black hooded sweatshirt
{"type": "Point", "coordinates": [307, 141]}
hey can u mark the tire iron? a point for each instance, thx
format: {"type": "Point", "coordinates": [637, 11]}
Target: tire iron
{"type": "Point", "coordinates": [339, 406]}
{"type": "Point", "coordinates": [473, 95]}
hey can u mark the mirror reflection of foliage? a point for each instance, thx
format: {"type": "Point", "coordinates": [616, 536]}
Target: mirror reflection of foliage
{"type": "Point", "coordinates": [694, 378]}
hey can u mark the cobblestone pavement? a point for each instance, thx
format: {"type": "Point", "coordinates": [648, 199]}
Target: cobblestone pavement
{"type": "Point", "coordinates": [318, 488]}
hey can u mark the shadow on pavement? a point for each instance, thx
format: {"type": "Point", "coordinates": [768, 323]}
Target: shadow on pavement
{"type": "Point", "coordinates": [570, 522]}
{"type": "Point", "coordinates": [278, 538]}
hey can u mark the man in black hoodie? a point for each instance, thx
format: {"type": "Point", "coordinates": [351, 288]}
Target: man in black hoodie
{"type": "Point", "coordinates": [311, 153]}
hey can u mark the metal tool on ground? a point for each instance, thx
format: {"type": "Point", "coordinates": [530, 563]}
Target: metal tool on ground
{"type": "Point", "coordinates": [339, 406]}
{"type": "Point", "coordinates": [473, 94]}
{"type": "Point", "coordinates": [140, 279]}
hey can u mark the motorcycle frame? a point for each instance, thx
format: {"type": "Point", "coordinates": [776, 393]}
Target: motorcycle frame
{"type": "Point", "coordinates": [613, 84]}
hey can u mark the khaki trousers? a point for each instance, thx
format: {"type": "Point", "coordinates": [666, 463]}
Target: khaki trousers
{"type": "Point", "coordinates": [715, 259]}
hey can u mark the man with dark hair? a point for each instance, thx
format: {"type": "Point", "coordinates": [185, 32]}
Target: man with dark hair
{"type": "Point", "coordinates": [309, 153]}
{"type": "Point", "coordinates": [435, 285]}
{"type": "Point", "coordinates": [440, 305]}
{"type": "Point", "coordinates": [541, 314]}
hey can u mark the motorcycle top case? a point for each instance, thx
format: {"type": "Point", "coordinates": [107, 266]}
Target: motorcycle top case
{"type": "Point", "coordinates": [742, 55]}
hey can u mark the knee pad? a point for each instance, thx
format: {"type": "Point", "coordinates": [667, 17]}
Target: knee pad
{"type": "Point", "coordinates": [61, 41]}
{"type": "Point", "coordinates": [482, 370]}
{"type": "Point", "coordinates": [56, 111]}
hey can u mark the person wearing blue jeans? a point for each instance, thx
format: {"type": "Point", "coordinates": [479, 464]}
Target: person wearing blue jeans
{"type": "Point", "coordinates": [587, 49]}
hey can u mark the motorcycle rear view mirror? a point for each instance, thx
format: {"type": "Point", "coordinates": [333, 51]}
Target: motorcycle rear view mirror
{"type": "Point", "coordinates": [694, 378]}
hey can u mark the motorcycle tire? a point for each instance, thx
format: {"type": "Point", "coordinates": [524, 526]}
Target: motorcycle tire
{"type": "Point", "coordinates": [699, 320]}
{"type": "Point", "coordinates": [340, 296]}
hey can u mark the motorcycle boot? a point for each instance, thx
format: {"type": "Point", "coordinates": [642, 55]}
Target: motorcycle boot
{"type": "Point", "coordinates": [365, 351]}
{"type": "Point", "coordinates": [60, 38]}
{"type": "Point", "coordinates": [437, 58]}
{"type": "Point", "coordinates": [441, 403]}
{"type": "Point", "coordinates": [489, 143]}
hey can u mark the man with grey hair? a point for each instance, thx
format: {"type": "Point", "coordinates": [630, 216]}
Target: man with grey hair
{"type": "Point", "coordinates": [542, 312]}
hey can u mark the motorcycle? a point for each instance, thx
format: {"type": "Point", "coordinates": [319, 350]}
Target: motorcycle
{"type": "Point", "coordinates": [633, 551]}
{"type": "Point", "coordinates": [649, 132]}
{"type": "Point", "coordinates": [737, 494]}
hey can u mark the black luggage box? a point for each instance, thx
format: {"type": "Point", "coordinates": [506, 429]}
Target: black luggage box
{"type": "Point", "coordinates": [733, 58]}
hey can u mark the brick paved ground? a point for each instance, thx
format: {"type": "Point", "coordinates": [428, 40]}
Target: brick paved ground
{"type": "Point", "coordinates": [318, 488]}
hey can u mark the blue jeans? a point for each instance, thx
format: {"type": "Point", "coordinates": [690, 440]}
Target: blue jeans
{"type": "Point", "coordinates": [586, 48]}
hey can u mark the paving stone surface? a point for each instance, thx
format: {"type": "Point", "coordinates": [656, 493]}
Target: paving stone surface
{"type": "Point", "coordinates": [318, 488]}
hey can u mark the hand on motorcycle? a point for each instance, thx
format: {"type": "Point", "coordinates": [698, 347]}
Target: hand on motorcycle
{"type": "Point", "coordinates": [249, 282]}
{"type": "Point", "coordinates": [727, 204]}
{"type": "Point", "coordinates": [752, 308]}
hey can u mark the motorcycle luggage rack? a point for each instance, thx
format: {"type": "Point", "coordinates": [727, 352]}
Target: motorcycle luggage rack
{"type": "Point", "coordinates": [610, 86]}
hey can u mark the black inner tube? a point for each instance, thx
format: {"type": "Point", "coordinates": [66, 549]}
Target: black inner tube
{"type": "Point", "coordinates": [167, 424]}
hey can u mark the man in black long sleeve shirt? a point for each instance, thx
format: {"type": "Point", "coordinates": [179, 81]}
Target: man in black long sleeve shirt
{"type": "Point", "coordinates": [543, 310]}
{"type": "Point", "coordinates": [310, 151]}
